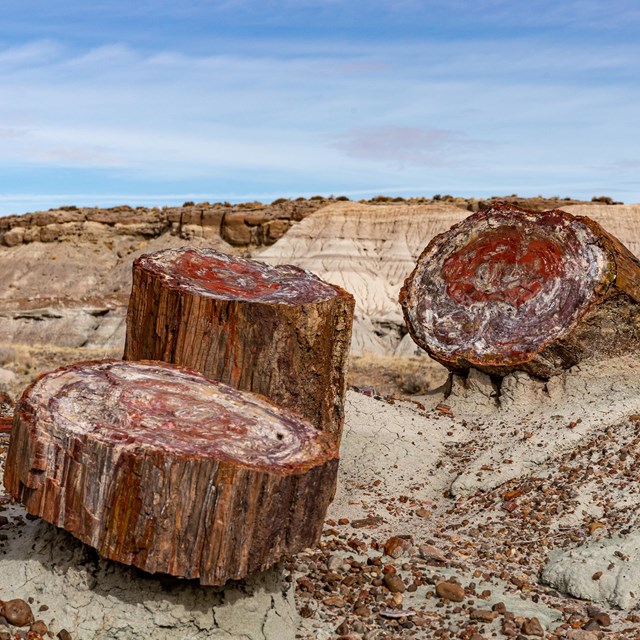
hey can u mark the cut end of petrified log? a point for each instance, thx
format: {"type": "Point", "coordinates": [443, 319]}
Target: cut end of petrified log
{"type": "Point", "coordinates": [155, 407]}
{"type": "Point", "coordinates": [210, 273]}
{"type": "Point", "coordinates": [275, 330]}
{"type": "Point", "coordinates": [159, 467]}
{"type": "Point", "coordinates": [499, 287]}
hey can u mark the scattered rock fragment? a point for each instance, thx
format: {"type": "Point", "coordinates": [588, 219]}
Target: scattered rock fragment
{"type": "Point", "coordinates": [483, 615]}
{"type": "Point", "coordinates": [581, 634]}
{"type": "Point", "coordinates": [429, 552]}
{"type": "Point", "coordinates": [398, 546]}
{"type": "Point", "coordinates": [39, 627]}
{"type": "Point", "coordinates": [17, 612]}
{"type": "Point", "coordinates": [394, 583]}
{"type": "Point", "coordinates": [450, 591]}
{"type": "Point", "coordinates": [532, 627]}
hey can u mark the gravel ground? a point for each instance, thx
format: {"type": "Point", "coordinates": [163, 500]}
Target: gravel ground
{"type": "Point", "coordinates": [410, 551]}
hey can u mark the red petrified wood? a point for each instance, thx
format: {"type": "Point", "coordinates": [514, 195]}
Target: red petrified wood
{"type": "Point", "coordinates": [511, 289]}
{"type": "Point", "coordinates": [158, 467]}
{"type": "Point", "coordinates": [279, 331]}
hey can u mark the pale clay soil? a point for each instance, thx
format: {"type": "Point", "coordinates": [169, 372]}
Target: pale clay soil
{"type": "Point", "coordinates": [525, 495]}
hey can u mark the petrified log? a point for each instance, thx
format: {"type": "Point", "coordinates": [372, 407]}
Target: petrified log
{"type": "Point", "coordinates": [158, 467]}
{"type": "Point", "coordinates": [509, 289]}
{"type": "Point", "coordinates": [279, 331]}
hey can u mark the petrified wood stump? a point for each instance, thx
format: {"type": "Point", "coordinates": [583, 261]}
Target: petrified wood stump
{"type": "Point", "coordinates": [279, 331]}
{"type": "Point", "coordinates": [158, 467]}
{"type": "Point", "coordinates": [511, 289]}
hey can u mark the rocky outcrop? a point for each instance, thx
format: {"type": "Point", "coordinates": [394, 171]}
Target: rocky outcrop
{"type": "Point", "coordinates": [240, 225]}
{"type": "Point", "coordinates": [65, 274]}
{"type": "Point", "coordinates": [90, 327]}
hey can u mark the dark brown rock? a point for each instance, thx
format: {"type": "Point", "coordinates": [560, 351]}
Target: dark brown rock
{"type": "Point", "coordinates": [394, 583]}
{"type": "Point", "coordinates": [17, 612]}
{"type": "Point", "coordinates": [39, 627]}
{"type": "Point", "coordinates": [450, 591]}
{"type": "Point", "coordinates": [532, 627]}
{"type": "Point", "coordinates": [483, 615]}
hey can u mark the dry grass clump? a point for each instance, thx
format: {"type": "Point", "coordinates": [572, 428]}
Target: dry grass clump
{"type": "Point", "coordinates": [395, 376]}
{"type": "Point", "coordinates": [29, 361]}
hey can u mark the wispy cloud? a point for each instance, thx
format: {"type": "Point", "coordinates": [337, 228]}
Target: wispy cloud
{"type": "Point", "coordinates": [405, 146]}
{"type": "Point", "coordinates": [342, 114]}
{"type": "Point", "coordinates": [626, 165]}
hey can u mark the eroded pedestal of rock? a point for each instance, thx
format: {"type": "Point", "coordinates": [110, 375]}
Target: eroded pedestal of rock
{"type": "Point", "coordinates": [158, 467]}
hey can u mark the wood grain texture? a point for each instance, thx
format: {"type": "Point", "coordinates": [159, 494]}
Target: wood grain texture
{"type": "Point", "coordinates": [158, 467]}
{"type": "Point", "coordinates": [510, 289]}
{"type": "Point", "coordinates": [279, 331]}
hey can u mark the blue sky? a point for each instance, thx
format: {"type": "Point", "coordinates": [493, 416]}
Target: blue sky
{"type": "Point", "coordinates": [157, 102]}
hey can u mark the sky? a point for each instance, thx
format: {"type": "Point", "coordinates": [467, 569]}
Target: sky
{"type": "Point", "coordinates": [156, 102]}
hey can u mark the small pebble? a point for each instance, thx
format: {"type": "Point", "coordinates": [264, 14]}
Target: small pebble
{"type": "Point", "coordinates": [450, 591]}
{"type": "Point", "coordinates": [17, 612]}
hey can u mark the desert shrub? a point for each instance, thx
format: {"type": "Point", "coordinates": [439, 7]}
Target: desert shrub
{"type": "Point", "coordinates": [280, 201]}
{"type": "Point", "coordinates": [188, 203]}
{"type": "Point", "coordinates": [317, 198]}
{"type": "Point", "coordinates": [342, 198]}
{"type": "Point", "coordinates": [381, 199]}
{"type": "Point", "coordinates": [602, 199]}
{"type": "Point", "coordinates": [437, 196]}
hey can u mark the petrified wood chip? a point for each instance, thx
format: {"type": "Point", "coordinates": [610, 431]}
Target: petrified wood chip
{"type": "Point", "coordinates": [509, 289]}
{"type": "Point", "coordinates": [279, 331]}
{"type": "Point", "coordinates": [158, 467]}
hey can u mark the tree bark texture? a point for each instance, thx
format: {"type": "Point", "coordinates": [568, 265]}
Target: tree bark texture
{"type": "Point", "coordinates": [158, 467]}
{"type": "Point", "coordinates": [275, 330]}
{"type": "Point", "coordinates": [511, 289]}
